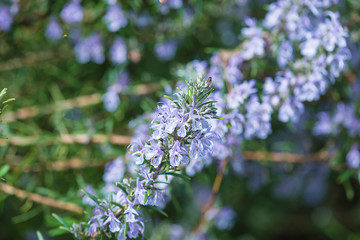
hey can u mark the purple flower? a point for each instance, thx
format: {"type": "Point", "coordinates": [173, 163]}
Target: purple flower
{"type": "Point", "coordinates": [353, 157]}
{"type": "Point", "coordinates": [255, 45]}
{"type": "Point", "coordinates": [118, 51]}
{"type": "Point", "coordinates": [201, 145]}
{"type": "Point", "coordinates": [337, 61]}
{"type": "Point", "coordinates": [166, 51]}
{"type": "Point", "coordinates": [115, 18]}
{"type": "Point", "coordinates": [72, 12]}
{"type": "Point", "coordinates": [310, 47]}
{"type": "Point", "coordinates": [273, 16]}
{"type": "Point", "coordinates": [153, 152]}
{"type": "Point", "coordinates": [199, 67]}
{"type": "Point", "coordinates": [232, 71]}
{"type": "Point", "coordinates": [333, 33]}
{"type": "Point", "coordinates": [136, 149]}
{"type": "Point", "coordinates": [307, 92]}
{"type": "Point", "coordinates": [157, 199]}
{"type": "Point", "coordinates": [90, 49]}
{"type": "Point", "coordinates": [224, 219]}
{"type": "Point", "coordinates": [324, 125]}
{"type": "Point", "coordinates": [6, 18]}
{"type": "Point", "coordinates": [114, 171]}
{"type": "Point", "coordinates": [166, 120]}
{"type": "Point", "coordinates": [114, 223]}
{"type": "Point", "coordinates": [285, 53]}
{"type": "Point", "coordinates": [139, 193]}
{"type": "Point", "coordinates": [258, 119]}
{"type": "Point", "coordinates": [130, 213]}
{"type": "Point", "coordinates": [177, 155]}
{"type": "Point", "coordinates": [120, 197]}
{"type": "Point", "coordinates": [135, 228]}
{"type": "Point", "coordinates": [111, 100]}
{"type": "Point", "coordinates": [143, 20]}
{"type": "Point", "coordinates": [96, 221]}
{"type": "Point", "coordinates": [53, 30]}
{"type": "Point", "coordinates": [146, 174]}
{"type": "Point", "coordinates": [290, 110]}
{"type": "Point", "coordinates": [240, 93]}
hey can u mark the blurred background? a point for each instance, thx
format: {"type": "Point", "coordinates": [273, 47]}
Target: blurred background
{"type": "Point", "coordinates": [81, 71]}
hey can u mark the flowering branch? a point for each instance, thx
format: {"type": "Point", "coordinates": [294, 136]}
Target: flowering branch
{"type": "Point", "coordinates": [181, 133]}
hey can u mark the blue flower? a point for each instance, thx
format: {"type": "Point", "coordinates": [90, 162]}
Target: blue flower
{"type": "Point", "coordinates": [353, 157]}
{"type": "Point", "coordinates": [53, 30]}
{"type": "Point", "coordinates": [146, 174]}
{"type": "Point", "coordinates": [90, 49]}
{"type": "Point", "coordinates": [157, 198]}
{"type": "Point", "coordinates": [114, 223]}
{"type": "Point", "coordinates": [6, 18]}
{"type": "Point", "coordinates": [178, 155]}
{"type": "Point", "coordinates": [115, 18]}
{"type": "Point", "coordinates": [139, 192]}
{"type": "Point", "coordinates": [135, 228]}
{"type": "Point", "coordinates": [201, 145]}
{"type": "Point", "coordinates": [96, 221]}
{"type": "Point", "coordinates": [118, 51]}
{"type": "Point", "coordinates": [111, 100]}
{"type": "Point", "coordinates": [72, 12]}
{"type": "Point", "coordinates": [285, 53]}
{"type": "Point", "coordinates": [114, 171]}
{"type": "Point", "coordinates": [166, 51]}
{"type": "Point", "coordinates": [240, 93]}
{"type": "Point", "coordinates": [131, 214]}
{"type": "Point", "coordinates": [290, 110]}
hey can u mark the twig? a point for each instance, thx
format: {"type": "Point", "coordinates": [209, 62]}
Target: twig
{"type": "Point", "coordinates": [82, 101]}
{"type": "Point", "coordinates": [40, 199]}
{"type": "Point", "coordinates": [213, 195]}
{"type": "Point", "coordinates": [321, 156]}
{"type": "Point", "coordinates": [73, 163]}
{"type": "Point", "coordinates": [66, 139]}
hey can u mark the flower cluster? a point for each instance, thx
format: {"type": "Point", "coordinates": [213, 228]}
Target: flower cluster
{"type": "Point", "coordinates": [115, 18]}
{"type": "Point", "coordinates": [309, 45]}
{"type": "Point", "coordinates": [181, 133]}
{"type": "Point", "coordinates": [7, 13]}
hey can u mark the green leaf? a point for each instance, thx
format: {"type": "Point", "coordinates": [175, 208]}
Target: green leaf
{"type": "Point", "coordinates": [210, 102]}
{"type": "Point", "coordinates": [126, 229]}
{"type": "Point", "coordinates": [349, 190]}
{"type": "Point", "coordinates": [65, 225]}
{"type": "Point", "coordinates": [172, 99]}
{"type": "Point", "coordinates": [4, 170]}
{"type": "Point", "coordinates": [39, 235]}
{"type": "Point", "coordinates": [93, 197]}
{"type": "Point", "coordinates": [117, 204]}
{"type": "Point", "coordinates": [119, 185]}
{"type": "Point", "coordinates": [345, 176]}
{"type": "Point", "coordinates": [145, 198]}
{"type": "Point", "coordinates": [8, 100]}
{"type": "Point", "coordinates": [2, 93]}
{"type": "Point", "coordinates": [179, 175]}
{"type": "Point", "coordinates": [155, 209]}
